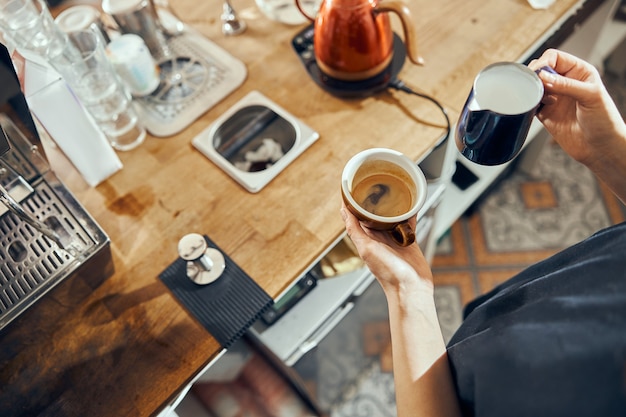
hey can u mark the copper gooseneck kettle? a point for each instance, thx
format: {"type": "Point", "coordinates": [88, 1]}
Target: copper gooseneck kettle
{"type": "Point", "coordinates": [353, 38]}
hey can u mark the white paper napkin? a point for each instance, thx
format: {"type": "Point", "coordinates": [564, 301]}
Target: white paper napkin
{"type": "Point", "coordinates": [63, 117]}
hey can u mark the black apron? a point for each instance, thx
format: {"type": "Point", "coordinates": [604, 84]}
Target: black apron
{"type": "Point", "coordinates": [551, 341]}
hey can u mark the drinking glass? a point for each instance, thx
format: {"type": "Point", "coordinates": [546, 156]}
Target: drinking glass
{"type": "Point", "coordinates": [82, 62]}
{"type": "Point", "coordinates": [29, 25]}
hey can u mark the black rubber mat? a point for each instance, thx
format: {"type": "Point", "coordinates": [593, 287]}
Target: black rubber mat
{"type": "Point", "coordinates": [226, 307]}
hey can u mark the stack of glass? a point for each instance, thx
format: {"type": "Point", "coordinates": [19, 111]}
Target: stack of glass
{"type": "Point", "coordinates": [80, 58]}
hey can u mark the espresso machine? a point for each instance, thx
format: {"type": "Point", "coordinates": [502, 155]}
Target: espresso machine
{"type": "Point", "coordinates": [46, 236]}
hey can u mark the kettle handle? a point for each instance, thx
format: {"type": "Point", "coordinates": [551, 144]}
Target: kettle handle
{"type": "Point", "coordinates": [410, 39]}
{"type": "Point", "coordinates": [305, 14]}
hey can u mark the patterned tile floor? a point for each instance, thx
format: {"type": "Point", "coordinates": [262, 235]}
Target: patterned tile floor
{"type": "Point", "coordinates": [523, 219]}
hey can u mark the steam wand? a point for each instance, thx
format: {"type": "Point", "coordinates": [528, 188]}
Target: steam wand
{"type": "Point", "coordinates": [15, 208]}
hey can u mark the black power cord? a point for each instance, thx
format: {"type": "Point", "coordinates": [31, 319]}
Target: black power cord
{"type": "Point", "coordinates": [401, 86]}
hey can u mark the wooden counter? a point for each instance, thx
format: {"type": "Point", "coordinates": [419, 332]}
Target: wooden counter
{"type": "Point", "coordinates": [126, 347]}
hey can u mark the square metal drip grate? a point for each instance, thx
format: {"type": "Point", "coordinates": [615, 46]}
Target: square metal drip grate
{"type": "Point", "coordinates": [197, 77]}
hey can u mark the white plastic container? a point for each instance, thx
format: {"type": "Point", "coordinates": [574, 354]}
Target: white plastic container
{"type": "Point", "coordinates": [134, 64]}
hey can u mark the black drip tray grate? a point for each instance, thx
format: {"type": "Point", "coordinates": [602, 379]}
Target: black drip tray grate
{"type": "Point", "coordinates": [30, 262]}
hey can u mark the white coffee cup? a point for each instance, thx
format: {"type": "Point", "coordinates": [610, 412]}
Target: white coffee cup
{"type": "Point", "coordinates": [81, 17]}
{"type": "Point", "coordinates": [384, 189]}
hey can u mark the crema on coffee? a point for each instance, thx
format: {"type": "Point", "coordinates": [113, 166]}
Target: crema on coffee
{"type": "Point", "coordinates": [383, 189]}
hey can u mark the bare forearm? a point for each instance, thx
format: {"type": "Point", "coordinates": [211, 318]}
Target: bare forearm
{"type": "Point", "coordinates": [422, 375]}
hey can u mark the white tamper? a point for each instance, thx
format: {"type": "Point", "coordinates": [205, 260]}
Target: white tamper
{"type": "Point", "coordinates": [204, 264]}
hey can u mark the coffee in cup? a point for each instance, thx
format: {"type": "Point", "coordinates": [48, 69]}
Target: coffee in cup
{"type": "Point", "coordinates": [384, 189]}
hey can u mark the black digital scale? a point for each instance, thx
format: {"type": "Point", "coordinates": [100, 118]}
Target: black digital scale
{"type": "Point", "coordinates": [303, 45]}
{"type": "Point", "coordinates": [290, 298]}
